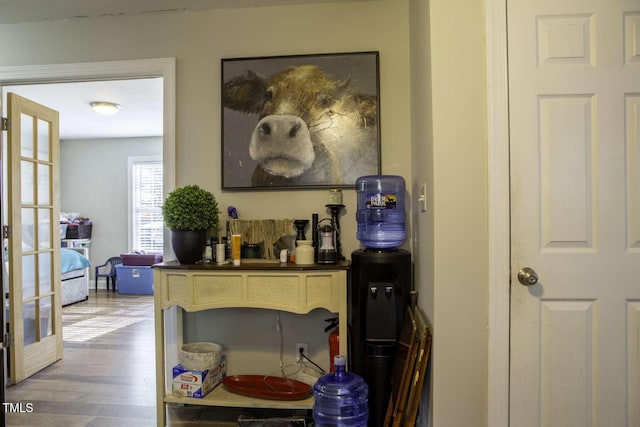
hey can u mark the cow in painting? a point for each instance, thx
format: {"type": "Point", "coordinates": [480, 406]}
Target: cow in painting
{"type": "Point", "coordinates": [311, 129]}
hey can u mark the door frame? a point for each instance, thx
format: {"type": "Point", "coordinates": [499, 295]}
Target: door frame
{"type": "Point", "coordinates": [499, 213]}
{"type": "Point", "coordinates": [118, 70]}
{"type": "Point", "coordinates": [114, 70]}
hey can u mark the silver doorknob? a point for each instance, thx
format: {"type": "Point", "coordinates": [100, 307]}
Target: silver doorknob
{"type": "Point", "coordinates": [527, 276]}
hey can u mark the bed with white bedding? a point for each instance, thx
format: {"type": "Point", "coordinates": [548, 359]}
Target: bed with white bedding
{"type": "Point", "coordinates": [74, 267]}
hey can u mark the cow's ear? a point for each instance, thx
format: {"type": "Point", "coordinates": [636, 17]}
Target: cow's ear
{"type": "Point", "coordinates": [245, 93]}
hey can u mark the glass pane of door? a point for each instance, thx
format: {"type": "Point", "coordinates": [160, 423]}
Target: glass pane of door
{"type": "Point", "coordinates": [44, 153]}
{"type": "Point", "coordinates": [44, 228]}
{"type": "Point", "coordinates": [28, 231]}
{"type": "Point", "coordinates": [26, 181]}
{"type": "Point", "coordinates": [44, 273]}
{"type": "Point", "coordinates": [44, 190]}
{"type": "Point", "coordinates": [46, 324]}
{"type": "Point", "coordinates": [30, 324]}
{"type": "Point", "coordinates": [28, 277]}
{"type": "Point", "coordinates": [26, 135]}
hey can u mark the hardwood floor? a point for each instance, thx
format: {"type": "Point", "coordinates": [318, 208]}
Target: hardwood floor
{"type": "Point", "coordinates": [106, 377]}
{"type": "Point", "coordinates": [107, 374]}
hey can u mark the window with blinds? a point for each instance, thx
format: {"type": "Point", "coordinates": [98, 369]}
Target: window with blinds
{"type": "Point", "coordinates": [146, 203]}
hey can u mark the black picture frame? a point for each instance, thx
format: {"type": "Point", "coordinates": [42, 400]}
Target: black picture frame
{"type": "Point", "coordinates": [300, 121]}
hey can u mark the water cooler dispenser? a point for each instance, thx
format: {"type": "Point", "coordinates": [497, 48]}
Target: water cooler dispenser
{"type": "Point", "coordinates": [379, 287]}
{"type": "Point", "coordinates": [379, 292]}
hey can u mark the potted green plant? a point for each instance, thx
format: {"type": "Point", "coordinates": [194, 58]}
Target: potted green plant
{"type": "Point", "coordinates": [191, 213]}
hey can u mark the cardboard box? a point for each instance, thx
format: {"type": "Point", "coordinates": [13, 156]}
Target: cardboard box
{"type": "Point", "coordinates": [197, 383]}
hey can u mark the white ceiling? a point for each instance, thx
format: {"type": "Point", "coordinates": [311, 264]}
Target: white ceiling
{"type": "Point", "coordinates": [141, 100]}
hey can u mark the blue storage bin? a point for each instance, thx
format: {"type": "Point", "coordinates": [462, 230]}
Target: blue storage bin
{"type": "Point", "coordinates": [134, 280]}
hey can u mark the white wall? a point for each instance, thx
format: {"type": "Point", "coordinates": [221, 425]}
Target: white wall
{"type": "Point", "coordinates": [94, 183]}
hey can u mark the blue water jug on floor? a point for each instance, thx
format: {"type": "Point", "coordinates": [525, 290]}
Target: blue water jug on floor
{"type": "Point", "coordinates": [381, 213]}
{"type": "Point", "coordinates": [341, 399]}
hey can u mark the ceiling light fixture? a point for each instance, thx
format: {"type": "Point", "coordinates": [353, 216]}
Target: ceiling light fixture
{"type": "Point", "coordinates": [106, 108]}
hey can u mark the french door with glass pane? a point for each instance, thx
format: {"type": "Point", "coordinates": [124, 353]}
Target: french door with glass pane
{"type": "Point", "coordinates": [35, 311]}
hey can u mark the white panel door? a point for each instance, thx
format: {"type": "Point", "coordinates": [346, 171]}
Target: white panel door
{"type": "Point", "coordinates": [574, 108]}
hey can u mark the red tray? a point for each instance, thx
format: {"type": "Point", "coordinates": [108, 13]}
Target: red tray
{"type": "Point", "coordinates": [267, 387]}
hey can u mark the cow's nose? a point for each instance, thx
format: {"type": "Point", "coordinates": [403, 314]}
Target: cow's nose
{"type": "Point", "coordinates": [265, 128]}
{"type": "Point", "coordinates": [294, 130]}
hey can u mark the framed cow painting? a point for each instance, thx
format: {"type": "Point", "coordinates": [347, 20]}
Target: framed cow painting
{"type": "Point", "coordinates": [300, 121]}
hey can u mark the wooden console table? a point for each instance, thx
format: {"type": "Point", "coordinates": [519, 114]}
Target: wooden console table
{"type": "Point", "coordinates": [268, 285]}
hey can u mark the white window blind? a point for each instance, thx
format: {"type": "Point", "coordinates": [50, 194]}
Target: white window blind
{"type": "Point", "coordinates": [147, 206]}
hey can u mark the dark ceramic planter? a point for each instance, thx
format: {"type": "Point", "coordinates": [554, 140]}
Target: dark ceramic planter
{"type": "Point", "coordinates": [188, 245]}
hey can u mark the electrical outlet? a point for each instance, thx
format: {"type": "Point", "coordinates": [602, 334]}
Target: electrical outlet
{"type": "Point", "coordinates": [305, 349]}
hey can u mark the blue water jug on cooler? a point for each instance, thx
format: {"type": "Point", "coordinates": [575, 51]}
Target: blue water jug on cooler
{"type": "Point", "coordinates": [340, 399]}
{"type": "Point", "coordinates": [381, 215]}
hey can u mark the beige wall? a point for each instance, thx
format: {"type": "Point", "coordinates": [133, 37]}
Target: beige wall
{"type": "Point", "coordinates": [449, 154]}
{"type": "Point", "coordinates": [198, 40]}
{"type": "Point", "coordinates": [432, 124]}
{"type": "Point", "coordinates": [422, 175]}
